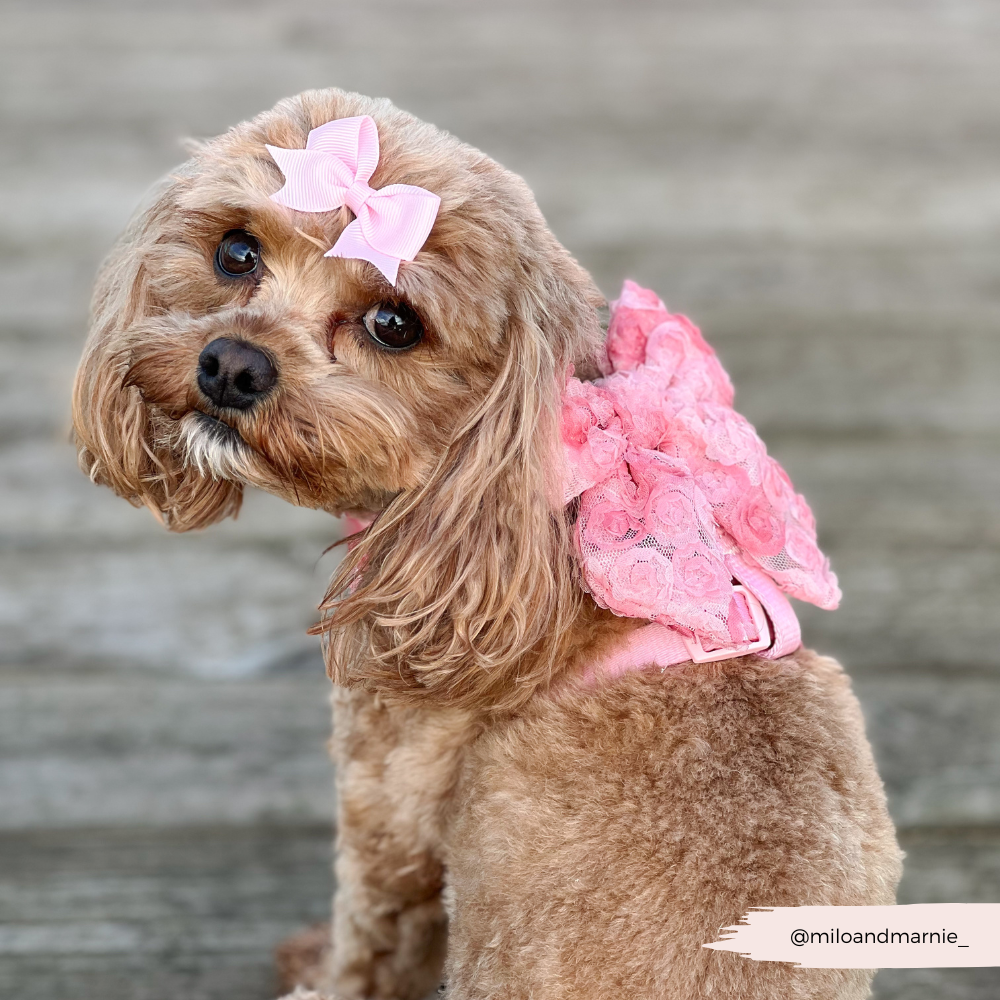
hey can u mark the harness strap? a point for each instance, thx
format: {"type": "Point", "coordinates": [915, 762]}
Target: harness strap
{"type": "Point", "coordinates": [656, 645]}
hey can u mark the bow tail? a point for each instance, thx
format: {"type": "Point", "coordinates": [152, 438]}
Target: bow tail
{"type": "Point", "coordinates": [353, 244]}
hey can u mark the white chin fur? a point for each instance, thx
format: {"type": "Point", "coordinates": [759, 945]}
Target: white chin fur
{"type": "Point", "coordinates": [213, 448]}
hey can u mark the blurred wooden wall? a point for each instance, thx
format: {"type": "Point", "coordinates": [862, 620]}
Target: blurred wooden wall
{"type": "Point", "coordinates": [816, 183]}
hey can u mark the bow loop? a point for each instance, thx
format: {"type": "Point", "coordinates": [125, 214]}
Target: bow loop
{"type": "Point", "coordinates": [396, 219]}
{"type": "Point", "coordinates": [391, 224]}
{"type": "Point", "coordinates": [352, 142]}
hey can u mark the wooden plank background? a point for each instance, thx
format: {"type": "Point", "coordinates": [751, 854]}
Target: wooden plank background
{"type": "Point", "coordinates": [815, 181]}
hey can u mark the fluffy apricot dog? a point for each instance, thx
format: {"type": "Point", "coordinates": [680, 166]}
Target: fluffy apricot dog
{"type": "Point", "coordinates": [504, 825]}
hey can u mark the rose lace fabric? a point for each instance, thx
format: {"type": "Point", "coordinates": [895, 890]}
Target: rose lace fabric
{"type": "Point", "coordinates": [678, 495]}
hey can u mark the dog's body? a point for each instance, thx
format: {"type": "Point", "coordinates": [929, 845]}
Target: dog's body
{"type": "Point", "coordinates": [571, 838]}
{"type": "Point", "coordinates": [595, 840]}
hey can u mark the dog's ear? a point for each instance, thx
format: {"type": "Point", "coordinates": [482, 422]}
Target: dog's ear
{"type": "Point", "coordinates": [121, 442]}
{"type": "Point", "coordinates": [466, 585]}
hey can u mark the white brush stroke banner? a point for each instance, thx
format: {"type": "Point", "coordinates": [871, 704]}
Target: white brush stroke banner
{"type": "Point", "coordinates": [914, 936]}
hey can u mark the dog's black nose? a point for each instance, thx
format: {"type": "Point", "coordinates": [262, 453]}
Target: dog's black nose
{"type": "Point", "coordinates": [235, 374]}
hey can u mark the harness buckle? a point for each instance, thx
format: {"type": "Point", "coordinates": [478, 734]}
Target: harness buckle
{"type": "Point", "coordinates": [759, 616]}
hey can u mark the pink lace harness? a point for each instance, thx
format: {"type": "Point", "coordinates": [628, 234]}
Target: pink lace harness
{"type": "Point", "coordinates": [684, 519]}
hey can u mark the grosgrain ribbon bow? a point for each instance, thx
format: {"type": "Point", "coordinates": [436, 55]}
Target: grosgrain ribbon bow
{"type": "Point", "coordinates": [391, 224]}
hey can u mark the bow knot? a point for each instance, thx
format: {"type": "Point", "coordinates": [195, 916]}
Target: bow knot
{"type": "Point", "coordinates": [357, 196]}
{"type": "Point", "coordinates": [391, 224]}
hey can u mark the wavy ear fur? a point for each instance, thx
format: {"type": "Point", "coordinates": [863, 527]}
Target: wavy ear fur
{"type": "Point", "coordinates": [120, 442]}
{"type": "Point", "coordinates": [467, 585]}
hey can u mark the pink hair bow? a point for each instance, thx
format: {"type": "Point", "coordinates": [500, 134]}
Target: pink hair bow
{"type": "Point", "coordinates": [391, 224]}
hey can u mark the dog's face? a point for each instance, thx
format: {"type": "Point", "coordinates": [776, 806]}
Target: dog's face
{"type": "Point", "coordinates": [227, 350]}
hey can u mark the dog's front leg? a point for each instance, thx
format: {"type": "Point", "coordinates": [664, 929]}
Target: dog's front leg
{"type": "Point", "coordinates": [396, 767]}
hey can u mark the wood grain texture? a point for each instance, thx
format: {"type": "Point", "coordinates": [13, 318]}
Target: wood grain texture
{"type": "Point", "coordinates": [814, 182]}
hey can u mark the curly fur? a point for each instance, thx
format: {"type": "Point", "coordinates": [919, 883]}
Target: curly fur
{"type": "Point", "coordinates": [565, 842]}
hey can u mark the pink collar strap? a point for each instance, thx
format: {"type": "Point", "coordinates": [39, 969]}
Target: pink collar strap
{"type": "Point", "coordinates": [684, 519]}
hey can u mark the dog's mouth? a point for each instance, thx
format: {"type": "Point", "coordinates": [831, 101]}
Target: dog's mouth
{"type": "Point", "coordinates": [214, 447]}
{"type": "Point", "coordinates": [219, 430]}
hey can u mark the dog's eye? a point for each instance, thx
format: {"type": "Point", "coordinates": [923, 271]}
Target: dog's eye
{"type": "Point", "coordinates": [394, 326]}
{"type": "Point", "coordinates": [238, 254]}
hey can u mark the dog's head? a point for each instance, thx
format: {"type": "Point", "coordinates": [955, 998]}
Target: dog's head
{"type": "Point", "coordinates": [226, 350]}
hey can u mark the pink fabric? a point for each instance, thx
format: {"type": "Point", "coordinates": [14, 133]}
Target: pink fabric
{"type": "Point", "coordinates": [786, 636]}
{"type": "Point", "coordinates": [653, 645]}
{"type": "Point", "coordinates": [677, 492]}
{"type": "Point", "coordinates": [356, 521]}
{"type": "Point", "coordinates": [390, 225]}
{"type": "Point", "coordinates": [656, 645]}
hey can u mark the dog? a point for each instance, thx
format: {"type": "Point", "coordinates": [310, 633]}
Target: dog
{"type": "Point", "coordinates": [503, 826]}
